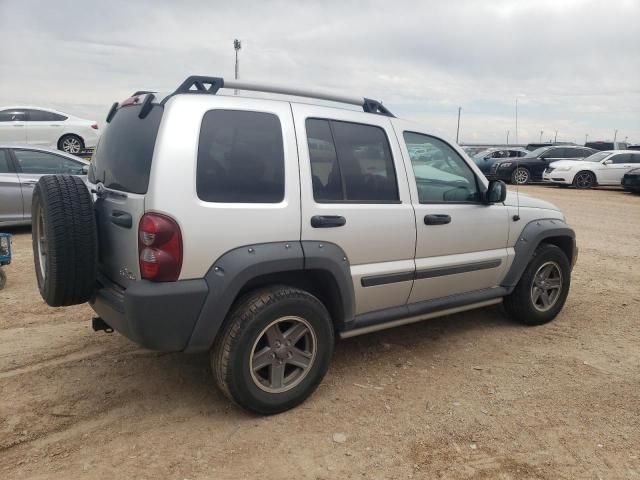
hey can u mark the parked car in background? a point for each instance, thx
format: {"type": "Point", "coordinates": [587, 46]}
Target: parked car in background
{"type": "Point", "coordinates": [531, 167]}
{"type": "Point", "coordinates": [602, 168]}
{"type": "Point", "coordinates": [488, 157]}
{"type": "Point", "coordinates": [605, 146]}
{"type": "Point", "coordinates": [20, 169]}
{"type": "Point", "coordinates": [47, 128]}
{"type": "Point", "coordinates": [631, 180]}
{"type": "Point", "coordinates": [534, 146]}
{"type": "Point", "coordinates": [633, 147]}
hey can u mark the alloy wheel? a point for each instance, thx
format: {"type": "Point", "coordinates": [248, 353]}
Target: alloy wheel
{"type": "Point", "coordinates": [584, 180]}
{"type": "Point", "coordinates": [71, 145]}
{"type": "Point", "coordinates": [521, 176]}
{"type": "Point", "coordinates": [546, 286]}
{"type": "Point", "coordinates": [283, 354]}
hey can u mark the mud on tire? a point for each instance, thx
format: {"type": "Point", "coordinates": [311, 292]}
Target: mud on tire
{"type": "Point", "coordinates": [65, 240]}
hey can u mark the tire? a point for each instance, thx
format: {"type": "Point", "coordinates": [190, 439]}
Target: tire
{"type": "Point", "coordinates": [520, 176]}
{"type": "Point", "coordinates": [65, 240]}
{"type": "Point", "coordinates": [71, 144]}
{"type": "Point", "coordinates": [245, 335]}
{"type": "Point", "coordinates": [584, 180]}
{"type": "Point", "coordinates": [3, 278]}
{"type": "Point", "coordinates": [520, 304]}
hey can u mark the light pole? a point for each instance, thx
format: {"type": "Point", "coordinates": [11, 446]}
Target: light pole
{"type": "Point", "coordinates": [458, 130]}
{"type": "Point", "coordinates": [237, 45]}
{"type": "Point", "coordinates": [586, 138]}
{"type": "Point", "coordinates": [555, 139]}
{"type": "Point", "coordinates": [507, 137]}
{"type": "Point", "coordinates": [615, 135]}
{"type": "Point", "coordinates": [541, 132]}
{"type": "Point", "coordinates": [516, 120]}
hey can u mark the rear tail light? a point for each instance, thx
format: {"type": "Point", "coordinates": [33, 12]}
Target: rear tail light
{"type": "Point", "coordinates": [94, 126]}
{"type": "Point", "coordinates": [159, 247]}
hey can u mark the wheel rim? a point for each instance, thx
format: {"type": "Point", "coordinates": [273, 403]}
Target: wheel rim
{"type": "Point", "coordinates": [584, 180]}
{"type": "Point", "coordinates": [521, 175]}
{"type": "Point", "coordinates": [283, 354]}
{"type": "Point", "coordinates": [546, 286]}
{"type": "Point", "coordinates": [71, 145]}
{"type": "Point", "coordinates": [42, 244]}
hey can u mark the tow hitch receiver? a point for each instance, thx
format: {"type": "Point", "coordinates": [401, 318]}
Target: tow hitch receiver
{"type": "Point", "coordinates": [99, 324]}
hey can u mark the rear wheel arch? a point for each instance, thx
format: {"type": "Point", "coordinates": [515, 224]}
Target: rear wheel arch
{"type": "Point", "coordinates": [245, 269]}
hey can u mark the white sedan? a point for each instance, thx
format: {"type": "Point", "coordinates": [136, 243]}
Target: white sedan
{"type": "Point", "coordinates": [602, 168]}
{"type": "Point", "coordinates": [47, 128]}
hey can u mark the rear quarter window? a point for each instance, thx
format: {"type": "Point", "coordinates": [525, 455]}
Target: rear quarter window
{"type": "Point", "coordinates": [122, 160]}
{"type": "Point", "coordinates": [240, 157]}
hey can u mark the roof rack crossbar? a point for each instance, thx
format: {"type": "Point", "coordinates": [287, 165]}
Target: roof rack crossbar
{"type": "Point", "coordinates": [211, 85]}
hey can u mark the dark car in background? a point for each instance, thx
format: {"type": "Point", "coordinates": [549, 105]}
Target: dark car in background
{"type": "Point", "coordinates": [634, 147]}
{"type": "Point", "coordinates": [602, 146]}
{"type": "Point", "coordinates": [531, 167]}
{"type": "Point", "coordinates": [631, 181]}
{"type": "Point", "coordinates": [488, 157]}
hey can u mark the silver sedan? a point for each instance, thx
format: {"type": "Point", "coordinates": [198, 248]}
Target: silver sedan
{"type": "Point", "coordinates": [20, 169]}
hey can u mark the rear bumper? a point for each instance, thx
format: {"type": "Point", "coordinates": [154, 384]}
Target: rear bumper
{"type": "Point", "coordinates": [158, 316]}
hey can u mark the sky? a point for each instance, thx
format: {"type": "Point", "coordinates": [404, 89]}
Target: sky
{"type": "Point", "coordinates": [571, 65]}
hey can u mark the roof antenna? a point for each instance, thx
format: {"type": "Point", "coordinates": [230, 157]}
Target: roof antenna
{"type": "Point", "coordinates": [516, 217]}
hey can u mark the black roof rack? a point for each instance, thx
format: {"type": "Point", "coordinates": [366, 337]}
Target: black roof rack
{"type": "Point", "coordinates": [211, 85]}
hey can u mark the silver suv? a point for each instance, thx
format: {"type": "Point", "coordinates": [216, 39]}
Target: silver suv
{"type": "Point", "coordinates": [262, 229]}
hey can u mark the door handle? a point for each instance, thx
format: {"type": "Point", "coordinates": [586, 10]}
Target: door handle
{"type": "Point", "coordinates": [327, 221]}
{"type": "Point", "coordinates": [437, 219]}
{"type": "Point", "coordinates": [18, 125]}
{"type": "Point", "coordinates": [122, 219]}
{"type": "Point", "coordinates": [30, 183]}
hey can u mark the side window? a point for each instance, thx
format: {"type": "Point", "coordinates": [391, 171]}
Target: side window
{"type": "Point", "coordinates": [4, 162]}
{"type": "Point", "coordinates": [350, 162]}
{"type": "Point", "coordinates": [12, 116]}
{"type": "Point", "coordinates": [587, 152]}
{"type": "Point", "coordinates": [31, 161]}
{"type": "Point", "coordinates": [42, 116]}
{"type": "Point", "coordinates": [71, 167]}
{"type": "Point", "coordinates": [635, 158]}
{"type": "Point", "coordinates": [240, 158]}
{"type": "Point", "coordinates": [574, 153]}
{"type": "Point", "coordinates": [621, 158]}
{"type": "Point", "coordinates": [556, 153]}
{"type": "Point", "coordinates": [441, 174]}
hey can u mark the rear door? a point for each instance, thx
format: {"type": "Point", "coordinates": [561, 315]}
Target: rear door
{"type": "Point", "coordinates": [43, 128]}
{"type": "Point", "coordinates": [120, 171]}
{"type": "Point", "coordinates": [10, 191]}
{"type": "Point", "coordinates": [354, 194]}
{"type": "Point", "coordinates": [12, 127]}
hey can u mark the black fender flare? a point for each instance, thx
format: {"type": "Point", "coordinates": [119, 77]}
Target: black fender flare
{"type": "Point", "coordinates": [534, 233]}
{"type": "Point", "coordinates": [234, 269]}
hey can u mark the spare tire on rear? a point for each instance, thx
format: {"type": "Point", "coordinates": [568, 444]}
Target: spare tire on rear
{"type": "Point", "coordinates": [65, 240]}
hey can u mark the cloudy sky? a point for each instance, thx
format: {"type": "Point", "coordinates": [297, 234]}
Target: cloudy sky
{"type": "Point", "coordinates": [573, 65]}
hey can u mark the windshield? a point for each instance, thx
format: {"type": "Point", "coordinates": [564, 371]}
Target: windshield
{"type": "Point", "coordinates": [597, 157]}
{"type": "Point", "coordinates": [483, 153]}
{"type": "Point", "coordinates": [536, 153]}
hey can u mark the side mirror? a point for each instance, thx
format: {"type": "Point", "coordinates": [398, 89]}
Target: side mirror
{"type": "Point", "coordinates": [607, 162]}
{"type": "Point", "coordinates": [496, 192]}
{"type": "Point", "coordinates": [85, 169]}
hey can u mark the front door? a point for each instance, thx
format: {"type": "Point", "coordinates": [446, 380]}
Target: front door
{"type": "Point", "coordinates": [355, 195]}
{"type": "Point", "coordinates": [12, 127]}
{"type": "Point", "coordinates": [461, 242]}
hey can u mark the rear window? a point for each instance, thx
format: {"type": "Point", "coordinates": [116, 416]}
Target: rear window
{"type": "Point", "coordinates": [122, 159]}
{"type": "Point", "coordinates": [240, 158]}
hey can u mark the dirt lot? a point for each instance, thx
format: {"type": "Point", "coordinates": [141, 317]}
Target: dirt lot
{"type": "Point", "coordinates": [466, 396]}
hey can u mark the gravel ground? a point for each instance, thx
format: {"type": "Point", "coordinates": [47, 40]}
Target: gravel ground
{"type": "Point", "coordinates": [467, 396]}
